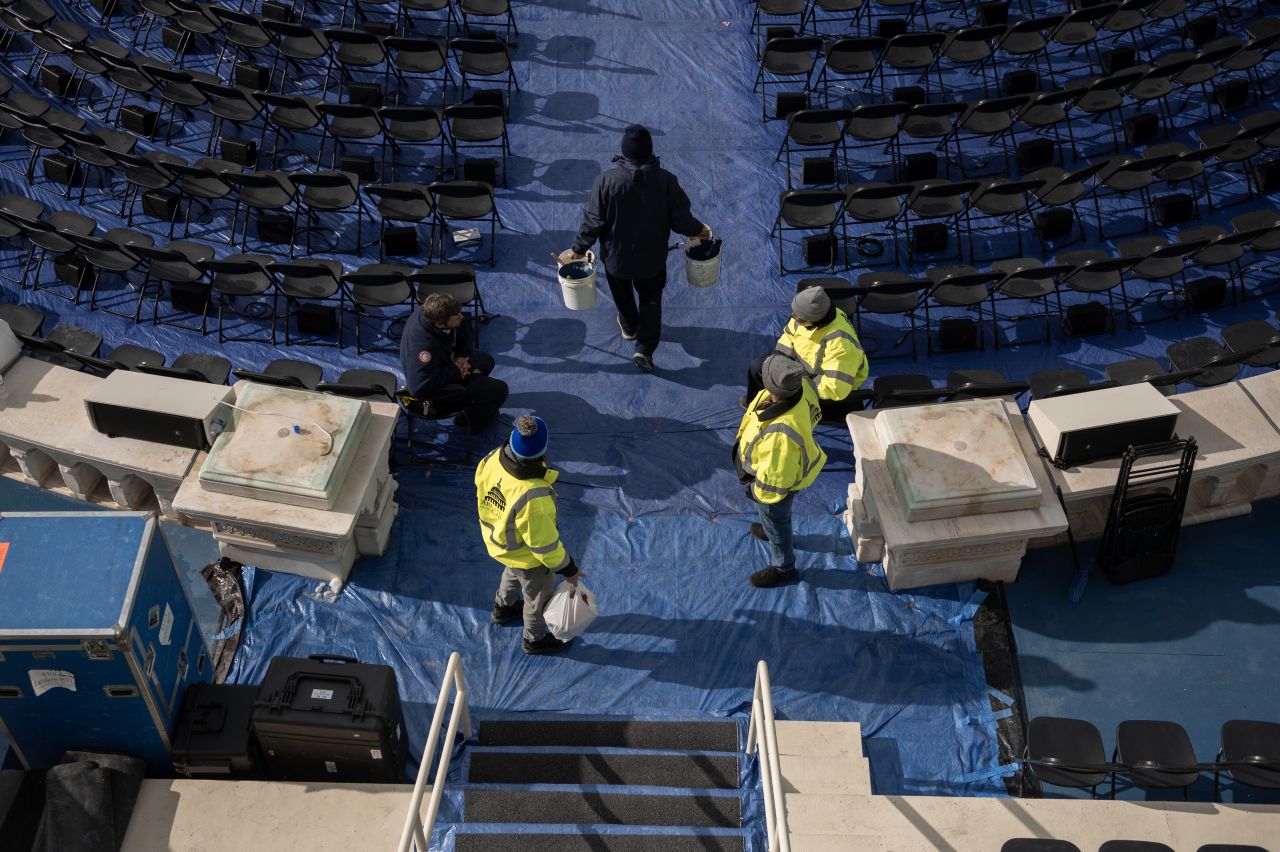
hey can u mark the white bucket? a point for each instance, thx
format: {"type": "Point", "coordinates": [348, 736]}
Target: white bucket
{"type": "Point", "coordinates": [579, 292]}
{"type": "Point", "coordinates": [701, 273]}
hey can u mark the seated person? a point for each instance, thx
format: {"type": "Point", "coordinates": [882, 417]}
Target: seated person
{"type": "Point", "coordinates": [441, 370]}
{"type": "Point", "coordinates": [820, 336]}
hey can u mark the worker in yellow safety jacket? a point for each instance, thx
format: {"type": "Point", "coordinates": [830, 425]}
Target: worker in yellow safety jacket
{"type": "Point", "coordinates": [820, 336]}
{"type": "Point", "coordinates": [776, 457]}
{"type": "Point", "coordinates": [517, 508]}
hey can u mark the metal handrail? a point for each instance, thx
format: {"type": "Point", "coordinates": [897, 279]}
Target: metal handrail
{"type": "Point", "coordinates": [416, 829]}
{"type": "Point", "coordinates": [762, 737]}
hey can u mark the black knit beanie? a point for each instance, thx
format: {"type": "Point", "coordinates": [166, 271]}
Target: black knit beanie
{"type": "Point", "coordinates": [637, 144]}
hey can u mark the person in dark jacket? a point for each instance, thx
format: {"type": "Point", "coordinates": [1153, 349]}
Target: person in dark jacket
{"type": "Point", "coordinates": [441, 368]}
{"type": "Point", "coordinates": [632, 209]}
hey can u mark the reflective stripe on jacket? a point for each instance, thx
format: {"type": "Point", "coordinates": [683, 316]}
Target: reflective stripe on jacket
{"type": "Point", "coordinates": [780, 452]}
{"type": "Point", "coordinates": [831, 352]}
{"type": "Point", "coordinates": [518, 516]}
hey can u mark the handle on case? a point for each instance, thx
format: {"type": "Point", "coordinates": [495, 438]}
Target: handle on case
{"type": "Point", "coordinates": [332, 658]}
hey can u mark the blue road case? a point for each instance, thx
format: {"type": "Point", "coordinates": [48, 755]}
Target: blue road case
{"type": "Point", "coordinates": [97, 638]}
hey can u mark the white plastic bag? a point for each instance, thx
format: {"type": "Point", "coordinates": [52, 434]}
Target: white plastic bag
{"type": "Point", "coordinates": [571, 611]}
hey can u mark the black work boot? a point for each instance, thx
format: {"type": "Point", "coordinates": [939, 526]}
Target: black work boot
{"type": "Point", "coordinates": [507, 614]}
{"type": "Point", "coordinates": [772, 576]}
{"type": "Point", "coordinates": [546, 645]}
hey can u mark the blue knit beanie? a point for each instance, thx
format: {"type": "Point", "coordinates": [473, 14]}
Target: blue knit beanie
{"type": "Point", "coordinates": [529, 438]}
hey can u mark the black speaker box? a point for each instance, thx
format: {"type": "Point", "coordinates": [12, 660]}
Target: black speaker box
{"type": "Point", "coordinates": [770, 33]}
{"type": "Point", "coordinates": [1202, 30]}
{"type": "Point", "coordinates": [277, 11]}
{"type": "Point", "coordinates": [1054, 223]}
{"type": "Point", "coordinates": [1021, 82]}
{"type": "Point", "coordinates": [252, 76]}
{"type": "Point", "coordinates": [483, 169]}
{"type": "Point", "coordinates": [914, 95]}
{"type": "Point", "coordinates": [1035, 153]}
{"type": "Point", "coordinates": [275, 228]}
{"type": "Point", "coordinates": [400, 241]}
{"type": "Point", "coordinates": [992, 14]}
{"type": "Point", "coordinates": [1172, 209]}
{"type": "Point", "coordinates": [175, 39]}
{"type": "Point", "coordinates": [55, 80]}
{"type": "Point", "coordinates": [60, 169]}
{"type": "Point", "coordinates": [818, 170]}
{"type": "Point", "coordinates": [1141, 128]}
{"type": "Point", "coordinates": [365, 94]}
{"type": "Point", "coordinates": [890, 27]}
{"type": "Point", "coordinates": [1231, 95]}
{"type": "Point", "coordinates": [362, 166]}
{"type": "Point", "coordinates": [161, 204]}
{"type": "Point", "coordinates": [191, 297]}
{"type": "Point", "coordinates": [922, 166]}
{"type": "Point", "coordinates": [1086, 319]}
{"type": "Point", "coordinates": [242, 152]}
{"type": "Point", "coordinates": [1266, 176]}
{"type": "Point", "coordinates": [139, 121]}
{"type": "Point", "coordinates": [489, 97]}
{"type": "Point", "coordinates": [930, 238]}
{"type": "Point", "coordinates": [789, 102]}
{"type": "Point", "coordinates": [957, 334]}
{"type": "Point", "coordinates": [1205, 293]}
{"type": "Point", "coordinates": [1117, 59]}
{"type": "Point", "coordinates": [820, 250]}
{"type": "Point", "coordinates": [73, 269]}
{"type": "Point", "coordinates": [320, 320]}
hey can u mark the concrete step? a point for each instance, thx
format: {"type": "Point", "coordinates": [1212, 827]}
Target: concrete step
{"type": "Point", "coordinates": [592, 808]}
{"type": "Point", "coordinates": [669, 736]}
{"type": "Point", "coordinates": [830, 775]}
{"type": "Point", "coordinates": [820, 739]}
{"type": "Point", "coordinates": [645, 770]}
{"type": "Point", "coordinates": [199, 816]}
{"type": "Point", "coordinates": [597, 843]}
{"type": "Point", "coordinates": [842, 823]}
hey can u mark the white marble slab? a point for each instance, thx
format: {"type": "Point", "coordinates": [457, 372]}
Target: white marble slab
{"type": "Point", "coordinates": [958, 458]}
{"type": "Point", "coordinates": [286, 446]}
{"type": "Point", "coordinates": [967, 547]}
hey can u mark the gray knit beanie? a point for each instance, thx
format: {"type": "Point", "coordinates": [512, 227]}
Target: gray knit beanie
{"type": "Point", "coordinates": [783, 375]}
{"type": "Point", "coordinates": [810, 304]}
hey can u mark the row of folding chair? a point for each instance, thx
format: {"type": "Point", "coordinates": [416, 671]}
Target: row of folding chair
{"type": "Point", "coordinates": [1150, 754]}
{"type": "Point", "coordinates": [871, 60]}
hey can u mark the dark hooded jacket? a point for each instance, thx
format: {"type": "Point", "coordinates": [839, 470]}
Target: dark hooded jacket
{"type": "Point", "coordinates": [632, 209]}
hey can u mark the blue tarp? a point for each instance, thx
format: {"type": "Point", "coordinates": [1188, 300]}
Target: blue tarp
{"type": "Point", "coordinates": [651, 507]}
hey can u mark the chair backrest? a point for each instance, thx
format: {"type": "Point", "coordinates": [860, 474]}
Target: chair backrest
{"type": "Point", "coordinates": [878, 191]}
{"type": "Point", "coordinates": [355, 391]}
{"type": "Point", "coordinates": [914, 40]}
{"type": "Point", "coordinates": [460, 189]}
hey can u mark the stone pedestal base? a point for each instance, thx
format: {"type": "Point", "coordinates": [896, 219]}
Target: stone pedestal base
{"type": "Point", "coordinates": [36, 466]}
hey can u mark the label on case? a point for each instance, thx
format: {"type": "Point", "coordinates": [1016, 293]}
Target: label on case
{"type": "Point", "coordinates": [322, 695]}
{"type": "Point", "coordinates": [166, 626]}
{"type": "Point", "coordinates": [43, 680]}
{"type": "Point", "coordinates": [330, 766]}
{"type": "Point", "coordinates": [375, 753]}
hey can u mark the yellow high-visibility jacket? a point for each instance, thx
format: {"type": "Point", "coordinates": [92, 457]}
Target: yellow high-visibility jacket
{"type": "Point", "coordinates": [831, 352]}
{"type": "Point", "coordinates": [780, 451]}
{"type": "Point", "coordinates": [517, 508]}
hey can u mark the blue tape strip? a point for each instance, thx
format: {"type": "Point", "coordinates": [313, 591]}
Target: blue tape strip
{"type": "Point", "coordinates": [981, 774]}
{"type": "Point", "coordinates": [1000, 696]}
{"type": "Point", "coordinates": [984, 718]}
{"type": "Point", "coordinates": [970, 607]}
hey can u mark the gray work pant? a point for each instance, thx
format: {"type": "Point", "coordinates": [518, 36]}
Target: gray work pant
{"type": "Point", "coordinates": [536, 585]}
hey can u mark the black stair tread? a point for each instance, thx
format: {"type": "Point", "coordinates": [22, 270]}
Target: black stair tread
{"type": "Point", "coordinates": [524, 806]}
{"type": "Point", "coordinates": [684, 736]}
{"type": "Point", "coordinates": [652, 770]}
{"type": "Point", "coordinates": [596, 843]}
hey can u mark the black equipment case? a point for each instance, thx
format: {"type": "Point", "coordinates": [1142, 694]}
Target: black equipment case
{"type": "Point", "coordinates": [329, 718]}
{"type": "Point", "coordinates": [213, 737]}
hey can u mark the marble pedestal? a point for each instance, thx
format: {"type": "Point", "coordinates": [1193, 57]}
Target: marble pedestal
{"type": "Point", "coordinates": [46, 430]}
{"type": "Point", "coordinates": [1237, 460]}
{"type": "Point", "coordinates": [306, 540]}
{"type": "Point", "coordinates": [952, 549]}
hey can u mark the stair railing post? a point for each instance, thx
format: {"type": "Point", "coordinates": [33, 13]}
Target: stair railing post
{"type": "Point", "coordinates": [415, 828]}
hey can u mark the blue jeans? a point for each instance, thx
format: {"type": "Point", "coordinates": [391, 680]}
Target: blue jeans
{"type": "Point", "coordinates": [776, 520]}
